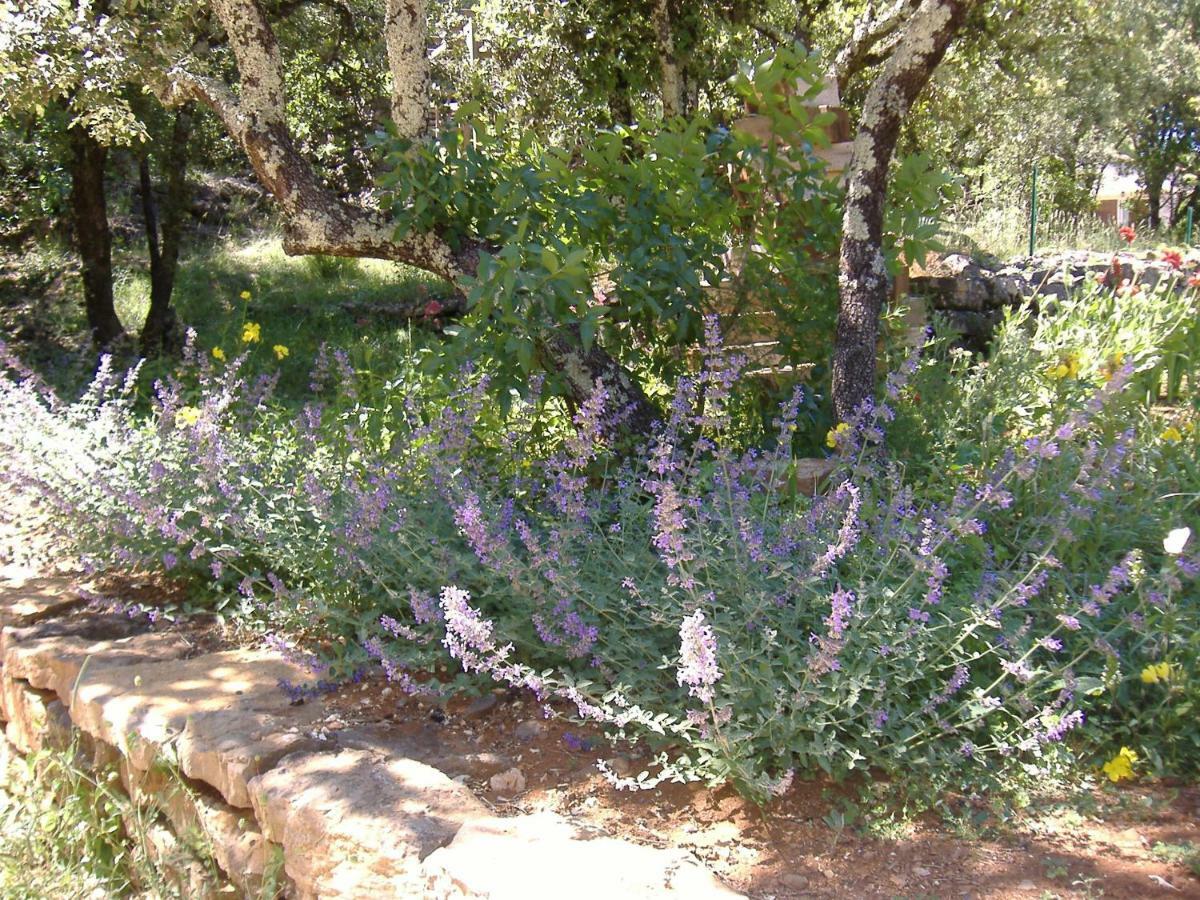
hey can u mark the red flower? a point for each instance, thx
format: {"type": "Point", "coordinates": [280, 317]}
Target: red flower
{"type": "Point", "coordinates": [1194, 281]}
{"type": "Point", "coordinates": [1127, 233]}
{"type": "Point", "coordinates": [432, 308]}
{"type": "Point", "coordinates": [1173, 259]}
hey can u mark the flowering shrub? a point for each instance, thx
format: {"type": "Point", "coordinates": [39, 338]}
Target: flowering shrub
{"type": "Point", "coordinates": [947, 629]}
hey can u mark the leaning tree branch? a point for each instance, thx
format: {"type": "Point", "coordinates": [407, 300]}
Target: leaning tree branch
{"type": "Point", "coordinates": [870, 29]}
{"type": "Point", "coordinates": [863, 279]}
{"type": "Point", "coordinates": [315, 220]}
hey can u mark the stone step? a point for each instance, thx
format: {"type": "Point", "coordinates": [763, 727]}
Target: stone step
{"type": "Point", "coordinates": [356, 825]}
{"type": "Point", "coordinates": [228, 704]}
{"type": "Point", "coordinates": [545, 857]}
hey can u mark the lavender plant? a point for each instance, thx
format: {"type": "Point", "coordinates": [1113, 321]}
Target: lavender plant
{"type": "Point", "coordinates": [689, 596]}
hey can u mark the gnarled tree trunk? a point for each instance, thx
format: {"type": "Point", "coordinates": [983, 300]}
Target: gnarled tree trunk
{"type": "Point", "coordinates": [89, 220]}
{"type": "Point", "coordinates": [863, 279]}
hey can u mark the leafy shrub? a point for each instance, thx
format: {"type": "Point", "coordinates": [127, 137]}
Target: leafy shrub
{"type": "Point", "coordinates": [634, 236]}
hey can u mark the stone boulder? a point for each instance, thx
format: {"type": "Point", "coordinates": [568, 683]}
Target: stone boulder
{"type": "Point", "coordinates": [544, 857]}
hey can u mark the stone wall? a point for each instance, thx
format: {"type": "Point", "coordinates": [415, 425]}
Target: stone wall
{"type": "Point", "coordinates": [225, 761]}
{"type": "Point", "coordinates": [973, 296]}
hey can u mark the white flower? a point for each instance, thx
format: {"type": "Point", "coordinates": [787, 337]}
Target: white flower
{"type": "Point", "coordinates": [1176, 540]}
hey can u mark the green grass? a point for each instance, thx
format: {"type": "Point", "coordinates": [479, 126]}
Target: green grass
{"type": "Point", "coordinates": [363, 306]}
{"type": "Point", "coordinates": [1001, 230]}
{"type": "Point", "coordinates": [69, 831]}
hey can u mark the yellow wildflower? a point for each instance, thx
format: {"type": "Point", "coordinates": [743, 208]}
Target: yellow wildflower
{"type": "Point", "coordinates": [187, 415]}
{"type": "Point", "coordinates": [1066, 367]}
{"type": "Point", "coordinates": [1172, 435]}
{"type": "Point", "coordinates": [1121, 765]}
{"type": "Point", "coordinates": [281, 351]}
{"type": "Point", "coordinates": [1155, 673]}
{"type": "Point", "coordinates": [1112, 365]}
{"type": "Point", "coordinates": [218, 353]}
{"type": "Point", "coordinates": [245, 295]}
{"type": "Point", "coordinates": [251, 333]}
{"type": "Point", "coordinates": [836, 435]}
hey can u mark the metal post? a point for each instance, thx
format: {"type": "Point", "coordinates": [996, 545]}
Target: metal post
{"type": "Point", "coordinates": [1033, 211]}
{"type": "Point", "coordinates": [1188, 239]}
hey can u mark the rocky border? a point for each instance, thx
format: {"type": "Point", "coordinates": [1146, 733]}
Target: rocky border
{"type": "Point", "coordinates": [211, 741]}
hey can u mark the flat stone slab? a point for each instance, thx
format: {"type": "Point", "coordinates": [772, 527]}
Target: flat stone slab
{"type": "Point", "coordinates": [141, 708]}
{"type": "Point", "coordinates": [53, 663]}
{"type": "Point", "coordinates": [356, 825]}
{"type": "Point", "coordinates": [227, 748]}
{"type": "Point", "coordinates": [545, 857]}
{"type": "Point", "coordinates": [27, 600]}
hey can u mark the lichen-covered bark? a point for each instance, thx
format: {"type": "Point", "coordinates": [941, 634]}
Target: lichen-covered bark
{"type": "Point", "coordinates": [315, 221]}
{"type": "Point", "coordinates": [582, 368]}
{"type": "Point", "coordinates": [672, 81]}
{"type": "Point", "coordinates": [863, 278]}
{"type": "Point", "coordinates": [874, 27]}
{"type": "Point", "coordinates": [405, 36]}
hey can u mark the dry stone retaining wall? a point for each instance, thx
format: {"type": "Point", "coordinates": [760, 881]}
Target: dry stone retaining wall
{"type": "Point", "coordinates": [210, 741]}
{"type": "Point", "coordinates": [974, 295]}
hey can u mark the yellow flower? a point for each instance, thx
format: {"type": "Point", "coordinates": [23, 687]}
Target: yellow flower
{"type": "Point", "coordinates": [1066, 367]}
{"type": "Point", "coordinates": [836, 435]}
{"type": "Point", "coordinates": [187, 415]}
{"type": "Point", "coordinates": [245, 295]}
{"type": "Point", "coordinates": [1155, 673]}
{"type": "Point", "coordinates": [251, 333]}
{"type": "Point", "coordinates": [1112, 365]}
{"type": "Point", "coordinates": [218, 353]}
{"type": "Point", "coordinates": [1172, 435]}
{"type": "Point", "coordinates": [1121, 765]}
{"type": "Point", "coordinates": [281, 351]}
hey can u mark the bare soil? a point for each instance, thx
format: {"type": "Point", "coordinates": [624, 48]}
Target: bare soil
{"type": "Point", "coordinates": [1094, 841]}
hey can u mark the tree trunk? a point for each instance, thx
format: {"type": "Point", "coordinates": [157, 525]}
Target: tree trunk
{"type": "Point", "coordinates": [672, 82]}
{"type": "Point", "coordinates": [582, 368]}
{"type": "Point", "coordinates": [863, 279]}
{"type": "Point", "coordinates": [89, 214]}
{"type": "Point", "coordinates": [160, 332]}
{"type": "Point", "coordinates": [1154, 199]}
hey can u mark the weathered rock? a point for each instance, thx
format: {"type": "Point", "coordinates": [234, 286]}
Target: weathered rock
{"type": "Point", "coordinates": [230, 837]}
{"type": "Point", "coordinates": [809, 473]}
{"type": "Point", "coordinates": [511, 781]}
{"type": "Point", "coordinates": [174, 862]}
{"type": "Point", "coordinates": [424, 745]}
{"type": "Point", "coordinates": [96, 627]}
{"type": "Point", "coordinates": [140, 708]}
{"type": "Point", "coordinates": [541, 857]}
{"type": "Point", "coordinates": [53, 662]}
{"type": "Point", "coordinates": [35, 719]}
{"type": "Point", "coordinates": [529, 730]}
{"type": "Point", "coordinates": [353, 824]}
{"type": "Point", "coordinates": [25, 601]}
{"type": "Point", "coordinates": [227, 748]}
